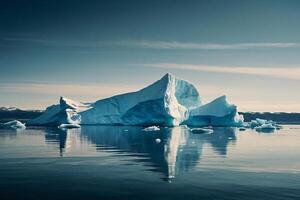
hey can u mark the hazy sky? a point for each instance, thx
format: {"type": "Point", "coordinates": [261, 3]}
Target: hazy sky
{"type": "Point", "coordinates": [248, 50]}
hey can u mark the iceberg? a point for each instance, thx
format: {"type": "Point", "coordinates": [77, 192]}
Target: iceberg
{"type": "Point", "coordinates": [216, 113]}
{"type": "Point", "coordinates": [263, 125]}
{"type": "Point", "coordinates": [166, 102]}
{"type": "Point", "coordinates": [265, 128]}
{"type": "Point", "coordinates": [151, 128]}
{"type": "Point", "coordinates": [15, 124]}
{"type": "Point", "coordinates": [66, 112]}
{"type": "Point", "coordinates": [258, 122]}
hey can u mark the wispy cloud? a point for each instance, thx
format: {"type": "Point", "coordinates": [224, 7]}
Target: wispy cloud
{"type": "Point", "coordinates": [89, 90]}
{"type": "Point", "coordinates": [41, 95]}
{"type": "Point", "coordinates": [278, 72]}
{"type": "Point", "coordinates": [50, 42]}
{"type": "Point", "coordinates": [151, 44]}
{"type": "Point", "coordinates": [206, 46]}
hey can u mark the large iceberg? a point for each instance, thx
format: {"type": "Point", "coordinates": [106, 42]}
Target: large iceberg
{"type": "Point", "coordinates": [167, 102]}
{"type": "Point", "coordinates": [216, 113]}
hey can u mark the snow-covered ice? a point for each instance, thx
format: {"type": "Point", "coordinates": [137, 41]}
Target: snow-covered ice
{"type": "Point", "coordinates": [66, 112]}
{"type": "Point", "coordinates": [216, 113]}
{"type": "Point", "coordinates": [262, 125]}
{"type": "Point", "coordinates": [67, 126]}
{"type": "Point", "coordinates": [167, 102]}
{"type": "Point", "coordinates": [151, 128]}
{"type": "Point", "coordinates": [15, 124]}
{"type": "Point", "coordinates": [184, 126]}
{"type": "Point", "coordinates": [265, 128]}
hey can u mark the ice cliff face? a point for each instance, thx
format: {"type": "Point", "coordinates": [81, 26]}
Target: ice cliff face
{"type": "Point", "coordinates": [167, 102]}
{"type": "Point", "coordinates": [216, 113]}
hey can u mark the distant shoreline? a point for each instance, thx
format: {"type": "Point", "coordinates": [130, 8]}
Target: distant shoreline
{"type": "Point", "coordinates": [279, 117]}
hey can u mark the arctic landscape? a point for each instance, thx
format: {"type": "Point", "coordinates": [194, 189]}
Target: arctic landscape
{"type": "Point", "coordinates": [167, 102]}
{"type": "Point", "coordinates": [149, 100]}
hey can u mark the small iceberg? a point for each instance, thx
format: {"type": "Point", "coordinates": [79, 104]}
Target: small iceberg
{"type": "Point", "coordinates": [201, 131]}
{"type": "Point", "coordinates": [263, 125]}
{"type": "Point", "coordinates": [266, 128]}
{"type": "Point", "coordinates": [67, 126]}
{"type": "Point", "coordinates": [151, 128]}
{"type": "Point", "coordinates": [259, 122]}
{"type": "Point", "coordinates": [184, 126]}
{"type": "Point", "coordinates": [15, 124]}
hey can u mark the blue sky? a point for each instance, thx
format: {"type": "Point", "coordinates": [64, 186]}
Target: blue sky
{"type": "Point", "coordinates": [248, 50]}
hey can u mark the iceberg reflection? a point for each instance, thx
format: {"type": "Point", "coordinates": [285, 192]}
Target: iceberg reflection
{"type": "Point", "coordinates": [65, 138]}
{"type": "Point", "coordinates": [179, 150]}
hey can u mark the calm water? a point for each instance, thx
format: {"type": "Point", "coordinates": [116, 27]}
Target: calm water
{"type": "Point", "coordinates": [106, 162]}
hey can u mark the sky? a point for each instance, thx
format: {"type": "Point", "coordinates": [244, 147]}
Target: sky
{"type": "Point", "coordinates": [88, 50]}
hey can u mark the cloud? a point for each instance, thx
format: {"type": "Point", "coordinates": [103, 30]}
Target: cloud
{"type": "Point", "coordinates": [151, 44]}
{"type": "Point", "coordinates": [41, 95]}
{"type": "Point", "coordinates": [100, 91]}
{"type": "Point", "coordinates": [247, 98]}
{"type": "Point", "coordinates": [278, 72]}
{"type": "Point", "coordinates": [206, 46]}
{"type": "Point", "coordinates": [55, 43]}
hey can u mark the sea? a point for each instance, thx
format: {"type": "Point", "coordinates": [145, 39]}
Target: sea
{"type": "Point", "coordinates": [122, 162]}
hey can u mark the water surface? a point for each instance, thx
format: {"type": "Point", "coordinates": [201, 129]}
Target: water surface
{"type": "Point", "coordinates": [111, 162]}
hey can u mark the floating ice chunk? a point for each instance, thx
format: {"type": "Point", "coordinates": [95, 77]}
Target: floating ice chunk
{"type": "Point", "coordinates": [151, 128]}
{"type": "Point", "coordinates": [157, 140]}
{"type": "Point", "coordinates": [264, 125]}
{"type": "Point", "coordinates": [266, 128]}
{"type": "Point", "coordinates": [202, 130]}
{"type": "Point", "coordinates": [15, 124]}
{"type": "Point", "coordinates": [184, 126]}
{"type": "Point", "coordinates": [261, 121]}
{"type": "Point", "coordinates": [66, 126]}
